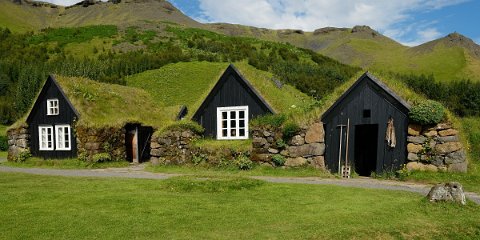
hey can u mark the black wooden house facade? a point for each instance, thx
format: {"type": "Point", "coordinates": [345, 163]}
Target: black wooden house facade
{"type": "Point", "coordinates": [229, 106]}
{"type": "Point", "coordinates": [364, 111]}
{"type": "Point", "coordinates": [50, 123]}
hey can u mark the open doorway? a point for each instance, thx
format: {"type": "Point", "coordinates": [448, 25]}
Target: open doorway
{"type": "Point", "coordinates": [137, 142]}
{"type": "Point", "coordinates": [366, 140]}
{"type": "Point", "coordinates": [131, 144]}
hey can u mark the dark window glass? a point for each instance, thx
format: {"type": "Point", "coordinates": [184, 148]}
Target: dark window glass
{"type": "Point", "coordinates": [241, 114]}
{"type": "Point", "coordinates": [242, 132]}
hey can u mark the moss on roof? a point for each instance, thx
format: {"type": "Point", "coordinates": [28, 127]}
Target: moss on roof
{"type": "Point", "coordinates": [101, 104]}
{"type": "Point", "coordinates": [189, 83]}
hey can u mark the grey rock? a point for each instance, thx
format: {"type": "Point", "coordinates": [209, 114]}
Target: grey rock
{"type": "Point", "coordinates": [259, 142]}
{"type": "Point", "coordinates": [412, 157]}
{"type": "Point", "coordinates": [155, 145]}
{"type": "Point", "coordinates": [297, 140]}
{"type": "Point", "coordinates": [447, 139]}
{"type": "Point", "coordinates": [156, 152]}
{"type": "Point", "coordinates": [458, 167]}
{"type": "Point", "coordinates": [315, 133]}
{"type": "Point", "coordinates": [416, 139]}
{"type": "Point", "coordinates": [295, 162]}
{"type": "Point", "coordinates": [313, 149]}
{"type": "Point", "coordinates": [455, 157]}
{"type": "Point", "coordinates": [446, 148]}
{"type": "Point", "coordinates": [273, 150]}
{"type": "Point", "coordinates": [438, 161]}
{"type": "Point", "coordinates": [448, 192]}
{"type": "Point", "coordinates": [266, 133]}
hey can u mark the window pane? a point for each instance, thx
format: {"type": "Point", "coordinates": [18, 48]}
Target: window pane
{"type": "Point", "coordinates": [241, 132]}
{"type": "Point", "coordinates": [241, 123]}
{"type": "Point", "coordinates": [233, 133]}
{"type": "Point", "coordinates": [224, 115]}
{"type": "Point", "coordinates": [224, 124]}
{"type": "Point", "coordinates": [224, 133]}
{"type": "Point", "coordinates": [241, 114]}
{"type": "Point", "coordinates": [233, 115]}
{"type": "Point", "coordinates": [233, 123]}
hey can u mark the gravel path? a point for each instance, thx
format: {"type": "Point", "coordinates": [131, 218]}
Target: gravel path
{"type": "Point", "coordinates": [139, 172]}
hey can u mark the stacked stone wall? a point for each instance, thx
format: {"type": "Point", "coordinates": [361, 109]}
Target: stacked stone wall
{"type": "Point", "coordinates": [307, 147]}
{"type": "Point", "coordinates": [91, 141]}
{"type": "Point", "coordinates": [172, 147]}
{"type": "Point", "coordinates": [434, 148]}
{"type": "Point", "coordinates": [18, 142]}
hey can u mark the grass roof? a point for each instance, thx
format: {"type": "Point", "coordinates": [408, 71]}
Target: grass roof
{"type": "Point", "coordinates": [105, 105]}
{"type": "Point", "coordinates": [189, 83]}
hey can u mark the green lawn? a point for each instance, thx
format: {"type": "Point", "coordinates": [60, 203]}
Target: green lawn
{"type": "Point", "coordinates": [44, 207]}
{"type": "Point", "coordinates": [62, 164]}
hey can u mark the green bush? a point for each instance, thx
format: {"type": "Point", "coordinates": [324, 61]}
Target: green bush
{"type": "Point", "coordinates": [427, 112]}
{"type": "Point", "coordinates": [274, 120]}
{"type": "Point", "coordinates": [3, 143]}
{"type": "Point", "coordinates": [23, 156]}
{"type": "Point", "coordinates": [101, 157]}
{"type": "Point", "coordinates": [197, 159]}
{"type": "Point", "coordinates": [290, 129]}
{"type": "Point", "coordinates": [243, 162]}
{"type": "Point", "coordinates": [278, 159]}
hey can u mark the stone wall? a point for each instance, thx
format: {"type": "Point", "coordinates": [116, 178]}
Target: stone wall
{"type": "Point", "coordinates": [91, 141]}
{"type": "Point", "coordinates": [18, 142]}
{"type": "Point", "coordinates": [307, 147]}
{"type": "Point", "coordinates": [434, 148]}
{"type": "Point", "coordinates": [172, 147]}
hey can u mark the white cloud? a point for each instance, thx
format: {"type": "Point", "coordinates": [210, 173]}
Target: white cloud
{"type": "Point", "coordinates": [386, 16]}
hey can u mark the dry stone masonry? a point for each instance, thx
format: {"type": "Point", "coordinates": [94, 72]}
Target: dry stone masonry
{"type": "Point", "coordinates": [18, 142]}
{"type": "Point", "coordinates": [434, 148]}
{"type": "Point", "coordinates": [307, 147]}
{"type": "Point", "coordinates": [91, 141]}
{"type": "Point", "coordinates": [172, 147]}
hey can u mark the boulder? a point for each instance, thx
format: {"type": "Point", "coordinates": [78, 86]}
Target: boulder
{"type": "Point", "coordinates": [273, 150]}
{"type": "Point", "coordinates": [318, 162]}
{"type": "Point", "coordinates": [261, 157]}
{"type": "Point", "coordinates": [458, 167]}
{"type": "Point", "coordinates": [438, 161]}
{"type": "Point", "coordinates": [429, 134]}
{"type": "Point", "coordinates": [154, 161]}
{"type": "Point", "coordinates": [448, 132]}
{"type": "Point", "coordinates": [313, 149]}
{"type": "Point", "coordinates": [412, 157]}
{"type": "Point", "coordinates": [414, 129]}
{"type": "Point", "coordinates": [447, 192]}
{"type": "Point", "coordinates": [156, 152]}
{"type": "Point", "coordinates": [443, 126]}
{"type": "Point", "coordinates": [430, 168]}
{"type": "Point", "coordinates": [416, 139]}
{"type": "Point", "coordinates": [447, 139]}
{"type": "Point", "coordinates": [315, 134]}
{"type": "Point", "coordinates": [415, 166]}
{"type": "Point", "coordinates": [446, 148]}
{"type": "Point", "coordinates": [258, 142]}
{"type": "Point", "coordinates": [266, 133]}
{"type": "Point", "coordinates": [295, 162]}
{"type": "Point", "coordinates": [455, 157]}
{"type": "Point", "coordinates": [154, 145]}
{"type": "Point", "coordinates": [297, 140]}
{"type": "Point", "coordinates": [414, 148]}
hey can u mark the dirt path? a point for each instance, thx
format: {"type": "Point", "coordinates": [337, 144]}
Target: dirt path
{"type": "Point", "coordinates": [139, 172]}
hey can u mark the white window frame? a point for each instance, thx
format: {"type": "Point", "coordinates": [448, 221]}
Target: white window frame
{"type": "Point", "coordinates": [53, 107]}
{"type": "Point", "coordinates": [40, 140]}
{"type": "Point", "coordinates": [236, 109]}
{"type": "Point", "coordinates": [64, 138]}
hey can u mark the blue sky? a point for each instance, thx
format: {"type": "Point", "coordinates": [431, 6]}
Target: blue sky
{"type": "Point", "coordinates": [410, 22]}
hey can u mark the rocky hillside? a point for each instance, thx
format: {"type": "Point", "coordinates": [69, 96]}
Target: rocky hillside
{"type": "Point", "coordinates": [448, 59]}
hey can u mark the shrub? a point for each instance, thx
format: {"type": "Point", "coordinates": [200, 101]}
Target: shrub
{"type": "Point", "coordinates": [23, 156]}
{"type": "Point", "coordinates": [101, 157]}
{"type": "Point", "coordinates": [278, 159]}
{"type": "Point", "coordinates": [3, 143]}
{"type": "Point", "coordinates": [428, 112]}
{"type": "Point", "coordinates": [290, 129]}
{"type": "Point", "coordinates": [243, 162]}
{"type": "Point", "coordinates": [197, 159]}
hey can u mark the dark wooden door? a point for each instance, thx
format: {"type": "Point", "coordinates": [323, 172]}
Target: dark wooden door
{"type": "Point", "coordinates": [366, 145]}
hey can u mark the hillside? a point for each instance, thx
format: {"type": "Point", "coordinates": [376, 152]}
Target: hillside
{"type": "Point", "coordinates": [360, 46]}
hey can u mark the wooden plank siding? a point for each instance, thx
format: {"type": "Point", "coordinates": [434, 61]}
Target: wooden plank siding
{"type": "Point", "coordinates": [367, 94]}
{"type": "Point", "coordinates": [231, 90]}
{"type": "Point", "coordinates": [38, 117]}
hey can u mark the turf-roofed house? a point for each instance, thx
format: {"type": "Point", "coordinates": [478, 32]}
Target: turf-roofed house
{"type": "Point", "coordinates": [77, 117]}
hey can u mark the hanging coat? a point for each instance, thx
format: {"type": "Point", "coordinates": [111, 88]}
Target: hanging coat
{"type": "Point", "coordinates": [390, 135]}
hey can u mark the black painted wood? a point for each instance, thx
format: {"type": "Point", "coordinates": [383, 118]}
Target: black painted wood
{"type": "Point", "coordinates": [38, 117]}
{"type": "Point", "coordinates": [231, 90]}
{"type": "Point", "coordinates": [367, 94]}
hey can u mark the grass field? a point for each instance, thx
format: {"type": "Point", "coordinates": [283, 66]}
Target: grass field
{"type": "Point", "coordinates": [219, 208]}
{"type": "Point", "coordinates": [63, 164]}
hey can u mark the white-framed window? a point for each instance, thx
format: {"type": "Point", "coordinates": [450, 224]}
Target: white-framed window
{"type": "Point", "coordinates": [232, 122]}
{"type": "Point", "coordinates": [62, 137]}
{"type": "Point", "coordinates": [52, 107]}
{"type": "Point", "coordinates": [45, 135]}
